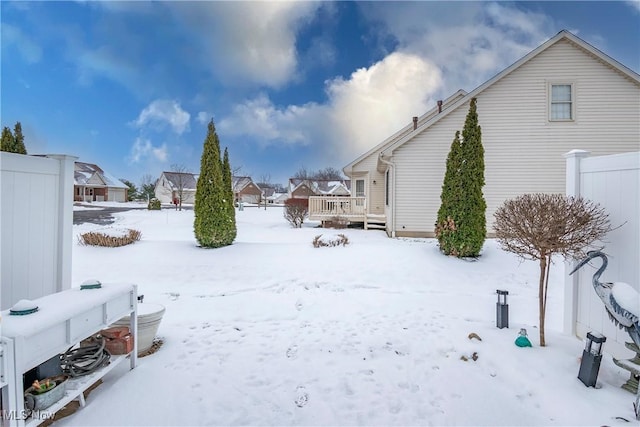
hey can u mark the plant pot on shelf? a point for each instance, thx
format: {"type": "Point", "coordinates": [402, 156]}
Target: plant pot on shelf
{"type": "Point", "coordinates": [45, 393]}
{"type": "Point", "coordinates": [149, 317]}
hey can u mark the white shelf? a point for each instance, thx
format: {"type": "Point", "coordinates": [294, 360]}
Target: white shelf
{"type": "Point", "coordinates": [62, 320]}
{"type": "Point", "coordinates": [76, 388]}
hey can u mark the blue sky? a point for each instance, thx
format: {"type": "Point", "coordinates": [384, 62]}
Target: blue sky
{"type": "Point", "coordinates": [131, 86]}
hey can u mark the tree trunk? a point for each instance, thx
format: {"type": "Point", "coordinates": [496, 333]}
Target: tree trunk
{"type": "Point", "coordinates": [541, 296]}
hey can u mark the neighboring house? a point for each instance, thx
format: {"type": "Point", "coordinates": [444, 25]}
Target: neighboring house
{"type": "Point", "coordinates": [245, 190]}
{"type": "Point", "coordinates": [304, 188]}
{"type": "Point", "coordinates": [171, 184]}
{"type": "Point", "coordinates": [92, 184]}
{"type": "Point", "coordinates": [277, 198]}
{"type": "Point", "coordinates": [563, 95]}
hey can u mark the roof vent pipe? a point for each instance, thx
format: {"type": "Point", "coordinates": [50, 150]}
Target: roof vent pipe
{"type": "Point", "coordinates": [415, 122]}
{"type": "Point", "coordinates": [440, 106]}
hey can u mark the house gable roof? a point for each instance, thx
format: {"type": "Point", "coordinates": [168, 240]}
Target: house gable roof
{"type": "Point", "coordinates": [239, 183]}
{"type": "Point", "coordinates": [321, 186]}
{"type": "Point", "coordinates": [562, 35]}
{"type": "Point", "coordinates": [406, 130]}
{"type": "Point", "coordinates": [93, 175]}
{"type": "Point", "coordinates": [188, 180]}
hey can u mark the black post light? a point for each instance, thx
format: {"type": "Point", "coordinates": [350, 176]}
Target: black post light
{"type": "Point", "coordinates": [502, 309]}
{"type": "Point", "coordinates": [591, 358]}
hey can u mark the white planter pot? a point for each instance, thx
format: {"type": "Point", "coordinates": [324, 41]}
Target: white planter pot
{"type": "Point", "coordinates": [149, 317]}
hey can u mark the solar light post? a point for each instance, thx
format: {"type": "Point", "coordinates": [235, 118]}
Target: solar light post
{"type": "Point", "coordinates": [591, 358]}
{"type": "Point", "coordinates": [502, 310]}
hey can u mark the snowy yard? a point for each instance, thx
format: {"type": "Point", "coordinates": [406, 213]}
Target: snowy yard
{"type": "Point", "coordinates": [271, 331]}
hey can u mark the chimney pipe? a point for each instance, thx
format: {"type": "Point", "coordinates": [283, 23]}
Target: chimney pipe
{"type": "Point", "coordinates": [415, 122]}
{"type": "Point", "coordinates": [440, 106]}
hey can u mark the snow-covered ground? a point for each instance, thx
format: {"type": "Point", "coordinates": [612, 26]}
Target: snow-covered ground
{"type": "Point", "coordinates": [272, 331]}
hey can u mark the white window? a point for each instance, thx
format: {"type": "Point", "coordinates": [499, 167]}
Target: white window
{"type": "Point", "coordinates": [360, 188]}
{"type": "Point", "coordinates": [561, 100]}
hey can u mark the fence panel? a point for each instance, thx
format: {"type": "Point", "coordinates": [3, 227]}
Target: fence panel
{"type": "Point", "coordinates": [36, 225]}
{"type": "Point", "coordinates": [613, 182]}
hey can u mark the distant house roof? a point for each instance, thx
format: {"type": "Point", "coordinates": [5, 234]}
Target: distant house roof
{"type": "Point", "coordinates": [240, 182]}
{"type": "Point", "coordinates": [278, 197]}
{"type": "Point", "coordinates": [93, 175]}
{"type": "Point", "coordinates": [268, 191]}
{"type": "Point", "coordinates": [186, 180]}
{"type": "Point", "coordinates": [322, 186]}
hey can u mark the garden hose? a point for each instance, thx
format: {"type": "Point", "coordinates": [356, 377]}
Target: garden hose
{"type": "Point", "coordinates": [85, 360]}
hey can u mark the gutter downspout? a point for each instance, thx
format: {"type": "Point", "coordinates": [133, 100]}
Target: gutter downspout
{"type": "Point", "coordinates": [393, 193]}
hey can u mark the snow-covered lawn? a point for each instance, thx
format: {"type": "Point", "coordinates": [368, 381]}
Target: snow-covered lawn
{"type": "Point", "coordinates": [271, 331]}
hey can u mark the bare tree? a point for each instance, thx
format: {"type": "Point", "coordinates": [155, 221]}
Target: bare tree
{"type": "Point", "coordinates": [302, 173]}
{"type": "Point", "coordinates": [236, 171]}
{"type": "Point", "coordinates": [180, 180]}
{"type": "Point", "coordinates": [265, 180]}
{"type": "Point", "coordinates": [148, 186]}
{"type": "Point", "coordinates": [328, 174]}
{"type": "Point", "coordinates": [295, 211]}
{"type": "Point", "coordinates": [537, 226]}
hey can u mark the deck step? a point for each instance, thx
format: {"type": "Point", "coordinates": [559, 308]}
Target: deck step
{"type": "Point", "coordinates": [375, 221]}
{"type": "Point", "coordinates": [371, 225]}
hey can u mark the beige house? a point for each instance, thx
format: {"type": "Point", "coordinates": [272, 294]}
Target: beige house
{"type": "Point", "coordinates": [245, 190]}
{"type": "Point", "coordinates": [93, 184]}
{"type": "Point", "coordinates": [563, 95]}
{"type": "Point", "coordinates": [171, 185]}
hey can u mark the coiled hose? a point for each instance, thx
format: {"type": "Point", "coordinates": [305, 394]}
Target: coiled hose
{"type": "Point", "coordinates": [80, 361]}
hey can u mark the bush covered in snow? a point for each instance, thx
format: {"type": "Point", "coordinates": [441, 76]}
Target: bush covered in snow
{"type": "Point", "coordinates": [154, 204]}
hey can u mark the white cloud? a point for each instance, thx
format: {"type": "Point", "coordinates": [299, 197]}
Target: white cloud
{"type": "Point", "coordinates": [635, 4]}
{"type": "Point", "coordinates": [261, 119]}
{"type": "Point", "coordinates": [203, 117]}
{"type": "Point", "coordinates": [162, 112]}
{"type": "Point", "coordinates": [362, 110]}
{"type": "Point", "coordinates": [439, 48]}
{"type": "Point", "coordinates": [143, 148]}
{"type": "Point", "coordinates": [29, 50]}
{"type": "Point", "coordinates": [377, 101]}
{"type": "Point", "coordinates": [470, 44]}
{"type": "Point", "coordinates": [247, 42]}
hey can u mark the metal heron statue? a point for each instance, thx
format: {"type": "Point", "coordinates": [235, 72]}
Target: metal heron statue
{"type": "Point", "coordinates": [622, 303]}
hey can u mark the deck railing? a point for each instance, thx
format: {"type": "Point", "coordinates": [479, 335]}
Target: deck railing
{"type": "Point", "coordinates": [337, 206]}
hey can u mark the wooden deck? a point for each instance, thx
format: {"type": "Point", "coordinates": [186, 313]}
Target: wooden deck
{"type": "Point", "coordinates": [341, 208]}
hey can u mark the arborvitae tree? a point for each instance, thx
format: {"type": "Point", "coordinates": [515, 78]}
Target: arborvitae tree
{"type": "Point", "coordinates": [463, 225]}
{"type": "Point", "coordinates": [8, 142]}
{"type": "Point", "coordinates": [450, 200]}
{"type": "Point", "coordinates": [473, 225]}
{"type": "Point", "coordinates": [213, 225]}
{"type": "Point", "coordinates": [228, 185]}
{"type": "Point", "coordinates": [19, 139]}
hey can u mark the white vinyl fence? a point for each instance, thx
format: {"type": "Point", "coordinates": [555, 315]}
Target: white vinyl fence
{"type": "Point", "coordinates": [614, 183]}
{"type": "Point", "coordinates": [36, 225]}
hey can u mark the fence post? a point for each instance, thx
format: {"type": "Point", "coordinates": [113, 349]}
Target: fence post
{"type": "Point", "coordinates": [65, 219]}
{"type": "Point", "coordinates": [573, 159]}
